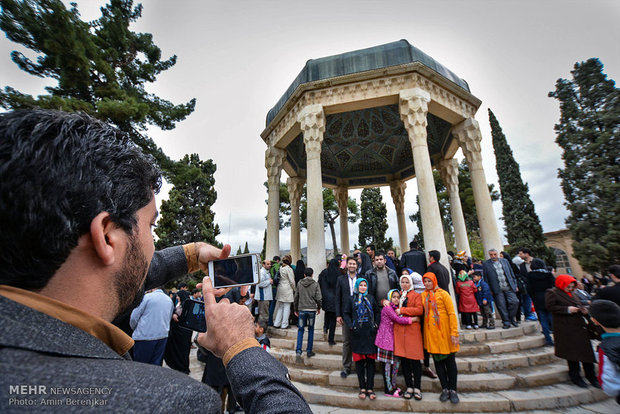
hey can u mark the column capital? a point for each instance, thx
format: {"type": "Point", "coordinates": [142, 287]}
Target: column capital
{"type": "Point", "coordinates": [342, 197]}
{"type": "Point", "coordinates": [295, 188]}
{"type": "Point", "coordinates": [449, 171]}
{"type": "Point", "coordinates": [468, 135]}
{"type": "Point", "coordinates": [397, 189]}
{"type": "Point", "coordinates": [273, 163]}
{"type": "Point", "coordinates": [312, 123]}
{"type": "Point", "coordinates": [413, 107]}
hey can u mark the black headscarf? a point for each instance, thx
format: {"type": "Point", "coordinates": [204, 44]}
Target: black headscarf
{"type": "Point", "coordinates": [514, 267]}
{"type": "Point", "coordinates": [300, 267]}
{"type": "Point", "coordinates": [366, 263]}
{"type": "Point", "coordinates": [333, 271]}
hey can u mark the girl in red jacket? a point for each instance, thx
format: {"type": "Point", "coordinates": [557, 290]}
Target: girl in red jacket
{"type": "Point", "coordinates": [468, 305]}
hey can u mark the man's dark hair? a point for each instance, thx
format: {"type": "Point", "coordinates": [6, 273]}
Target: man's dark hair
{"type": "Point", "coordinates": [524, 250]}
{"type": "Point", "coordinates": [380, 253]}
{"type": "Point", "coordinates": [371, 246]}
{"type": "Point", "coordinates": [181, 285]}
{"type": "Point", "coordinates": [308, 271]}
{"type": "Point", "coordinates": [57, 172]}
{"type": "Point", "coordinates": [414, 245]}
{"type": "Point", "coordinates": [435, 255]}
{"type": "Point", "coordinates": [351, 259]}
{"type": "Point", "coordinates": [196, 290]}
{"type": "Point", "coordinates": [614, 270]}
{"type": "Point", "coordinates": [275, 259]}
{"type": "Point", "coordinates": [606, 312]}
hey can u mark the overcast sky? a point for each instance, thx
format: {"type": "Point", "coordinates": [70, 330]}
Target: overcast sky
{"type": "Point", "coordinates": [238, 57]}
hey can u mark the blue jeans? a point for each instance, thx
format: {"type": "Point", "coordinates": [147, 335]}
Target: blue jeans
{"type": "Point", "coordinates": [544, 317]}
{"type": "Point", "coordinates": [526, 306]}
{"type": "Point", "coordinates": [305, 319]}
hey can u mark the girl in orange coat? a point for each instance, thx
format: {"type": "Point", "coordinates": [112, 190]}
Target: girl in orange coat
{"type": "Point", "coordinates": [408, 338]}
{"type": "Point", "coordinates": [441, 335]}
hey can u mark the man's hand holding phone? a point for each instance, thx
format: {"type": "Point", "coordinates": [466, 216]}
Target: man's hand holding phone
{"type": "Point", "coordinates": [227, 323]}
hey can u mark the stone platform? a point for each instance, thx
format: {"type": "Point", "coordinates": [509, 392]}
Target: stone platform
{"type": "Point", "coordinates": [501, 370]}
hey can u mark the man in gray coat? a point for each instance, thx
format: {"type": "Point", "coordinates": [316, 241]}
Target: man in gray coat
{"type": "Point", "coordinates": [77, 208]}
{"type": "Point", "coordinates": [498, 274]}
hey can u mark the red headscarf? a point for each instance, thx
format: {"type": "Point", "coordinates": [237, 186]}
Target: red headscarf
{"type": "Point", "coordinates": [564, 280]}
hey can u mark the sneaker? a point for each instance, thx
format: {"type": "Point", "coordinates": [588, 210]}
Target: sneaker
{"type": "Point", "coordinates": [506, 325]}
{"type": "Point", "coordinates": [454, 398]}
{"type": "Point", "coordinates": [428, 372]}
{"type": "Point", "coordinates": [445, 394]}
{"type": "Point", "coordinates": [468, 327]}
{"type": "Point", "coordinates": [344, 373]}
{"type": "Point", "coordinates": [476, 327]}
{"type": "Point", "coordinates": [491, 327]}
{"type": "Point", "coordinates": [311, 354]}
{"type": "Point", "coordinates": [531, 318]}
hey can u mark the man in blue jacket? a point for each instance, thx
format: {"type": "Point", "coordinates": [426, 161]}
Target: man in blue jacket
{"type": "Point", "coordinates": [498, 274]}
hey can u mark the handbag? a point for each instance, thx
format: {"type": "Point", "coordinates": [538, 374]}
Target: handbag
{"type": "Point", "coordinates": [594, 331]}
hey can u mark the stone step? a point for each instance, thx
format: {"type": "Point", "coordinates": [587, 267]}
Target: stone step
{"type": "Point", "coordinates": [546, 397]}
{"type": "Point", "coordinates": [473, 364]}
{"type": "Point", "coordinates": [469, 349]}
{"type": "Point", "coordinates": [470, 382]}
{"type": "Point", "coordinates": [466, 336]}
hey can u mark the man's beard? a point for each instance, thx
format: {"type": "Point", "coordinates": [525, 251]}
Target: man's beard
{"type": "Point", "coordinates": [129, 281]}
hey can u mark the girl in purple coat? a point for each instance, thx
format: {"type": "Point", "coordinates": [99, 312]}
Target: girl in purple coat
{"type": "Point", "coordinates": [385, 341]}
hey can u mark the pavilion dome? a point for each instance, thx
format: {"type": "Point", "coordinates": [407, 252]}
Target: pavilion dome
{"type": "Point", "coordinates": [383, 56]}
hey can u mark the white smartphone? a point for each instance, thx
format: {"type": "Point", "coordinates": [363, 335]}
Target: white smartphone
{"type": "Point", "coordinates": [235, 271]}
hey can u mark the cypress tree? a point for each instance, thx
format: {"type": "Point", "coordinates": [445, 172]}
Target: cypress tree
{"type": "Point", "coordinates": [522, 225]}
{"type": "Point", "coordinates": [373, 224]}
{"type": "Point", "coordinates": [588, 133]}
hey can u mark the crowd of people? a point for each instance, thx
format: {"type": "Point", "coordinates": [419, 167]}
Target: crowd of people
{"type": "Point", "coordinates": [399, 311]}
{"type": "Point", "coordinates": [78, 209]}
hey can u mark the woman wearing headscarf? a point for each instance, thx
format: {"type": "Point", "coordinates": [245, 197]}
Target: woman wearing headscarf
{"type": "Point", "coordinates": [441, 335]}
{"type": "Point", "coordinates": [327, 282]}
{"type": "Point", "coordinates": [572, 340]}
{"type": "Point", "coordinates": [418, 286]}
{"type": "Point", "coordinates": [285, 294]}
{"type": "Point", "coordinates": [539, 279]}
{"type": "Point", "coordinates": [408, 338]}
{"type": "Point", "coordinates": [361, 314]}
{"type": "Point", "coordinates": [366, 264]}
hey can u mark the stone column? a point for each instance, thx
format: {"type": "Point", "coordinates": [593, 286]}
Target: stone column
{"type": "Point", "coordinates": [342, 198]}
{"type": "Point", "coordinates": [312, 124]}
{"type": "Point", "coordinates": [273, 162]}
{"type": "Point", "coordinates": [413, 104]}
{"type": "Point", "coordinates": [449, 170]}
{"type": "Point", "coordinates": [295, 187]}
{"type": "Point", "coordinates": [413, 108]}
{"type": "Point", "coordinates": [397, 188]}
{"type": "Point", "coordinates": [469, 137]}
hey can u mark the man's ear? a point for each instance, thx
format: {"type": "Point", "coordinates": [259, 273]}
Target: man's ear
{"type": "Point", "coordinates": [104, 235]}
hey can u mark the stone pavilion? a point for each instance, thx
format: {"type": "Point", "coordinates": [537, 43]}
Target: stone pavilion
{"type": "Point", "coordinates": [375, 117]}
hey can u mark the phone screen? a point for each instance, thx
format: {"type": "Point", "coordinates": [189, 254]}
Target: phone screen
{"type": "Point", "coordinates": [193, 316]}
{"type": "Point", "coordinates": [234, 271]}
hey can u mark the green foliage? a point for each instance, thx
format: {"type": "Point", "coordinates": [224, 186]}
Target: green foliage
{"type": "Point", "coordinates": [238, 251]}
{"type": "Point", "coordinates": [101, 67]}
{"type": "Point", "coordinates": [523, 228]}
{"type": "Point", "coordinates": [468, 205]}
{"type": "Point", "coordinates": [186, 216]}
{"type": "Point", "coordinates": [373, 224]}
{"type": "Point", "coordinates": [589, 134]}
{"type": "Point", "coordinates": [246, 250]}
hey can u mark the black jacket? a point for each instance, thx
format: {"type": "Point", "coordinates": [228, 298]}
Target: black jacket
{"type": "Point", "coordinates": [371, 277]}
{"type": "Point", "coordinates": [443, 276]}
{"type": "Point", "coordinates": [328, 292]}
{"type": "Point", "coordinates": [414, 260]}
{"type": "Point", "coordinates": [342, 294]}
{"type": "Point", "coordinates": [538, 281]}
